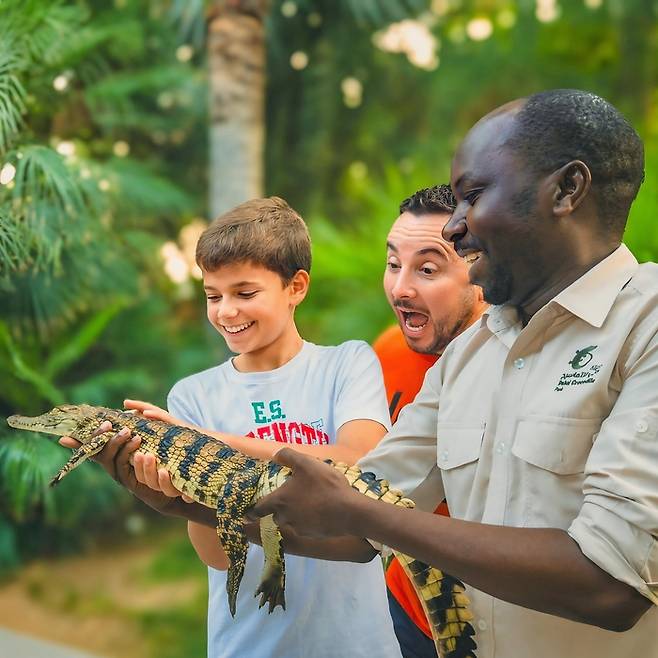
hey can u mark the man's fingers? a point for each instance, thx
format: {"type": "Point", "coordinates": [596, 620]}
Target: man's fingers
{"type": "Point", "coordinates": [290, 458]}
{"type": "Point", "coordinates": [105, 426]}
{"type": "Point", "coordinates": [69, 442]}
{"type": "Point", "coordinates": [266, 505]}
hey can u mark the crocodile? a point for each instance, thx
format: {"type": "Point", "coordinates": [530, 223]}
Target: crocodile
{"type": "Point", "coordinates": [217, 476]}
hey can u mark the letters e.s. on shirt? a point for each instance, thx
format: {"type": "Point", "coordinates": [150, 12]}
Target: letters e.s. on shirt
{"type": "Point", "coordinates": [554, 425]}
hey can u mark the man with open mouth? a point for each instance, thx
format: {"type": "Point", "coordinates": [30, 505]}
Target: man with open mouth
{"type": "Point", "coordinates": [428, 287]}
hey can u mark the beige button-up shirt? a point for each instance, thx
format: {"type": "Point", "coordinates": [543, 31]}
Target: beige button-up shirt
{"type": "Point", "coordinates": [553, 425]}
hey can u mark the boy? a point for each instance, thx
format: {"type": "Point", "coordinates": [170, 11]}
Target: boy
{"type": "Point", "coordinates": [325, 401]}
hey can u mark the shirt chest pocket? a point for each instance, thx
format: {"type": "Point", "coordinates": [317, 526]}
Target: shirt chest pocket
{"type": "Point", "coordinates": [549, 471]}
{"type": "Point", "coordinates": [458, 457]}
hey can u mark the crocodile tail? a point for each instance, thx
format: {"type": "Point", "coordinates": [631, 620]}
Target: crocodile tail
{"type": "Point", "coordinates": [442, 596]}
{"type": "Point", "coordinates": [446, 606]}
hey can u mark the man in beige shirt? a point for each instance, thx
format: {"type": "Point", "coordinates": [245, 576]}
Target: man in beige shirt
{"type": "Point", "coordinates": [539, 423]}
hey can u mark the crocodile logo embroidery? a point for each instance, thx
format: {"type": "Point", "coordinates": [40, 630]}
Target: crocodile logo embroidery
{"type": "Point", "coordinates": [582, 357]}
{"type": "Point", "coordinates": [582, 370]}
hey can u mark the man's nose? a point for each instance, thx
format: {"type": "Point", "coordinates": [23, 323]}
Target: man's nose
{"type": "Point", "coordinates": [404, 286]}
{"type": "Point", "coordinates": [456, 226]}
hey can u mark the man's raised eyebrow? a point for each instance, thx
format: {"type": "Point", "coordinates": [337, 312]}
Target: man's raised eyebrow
{"type": "Point", "coordinates": [391, 246]}
{"type": "Point", "coordinates": [433, 250]}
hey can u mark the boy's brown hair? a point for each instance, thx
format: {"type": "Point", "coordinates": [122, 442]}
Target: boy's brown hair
{"type": "Point", "coordinates": [266, 232]}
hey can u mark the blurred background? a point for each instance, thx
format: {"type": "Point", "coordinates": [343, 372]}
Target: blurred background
{"type": "Point", "coordinates": [125, 126]}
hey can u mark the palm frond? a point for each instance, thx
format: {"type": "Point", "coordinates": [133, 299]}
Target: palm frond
{"type": "Point", "coordinates": [12, 97]}
{"type": "Point", "coordinates": [13, 245]}
{"type": "Point", "coordinates": [42, 177]}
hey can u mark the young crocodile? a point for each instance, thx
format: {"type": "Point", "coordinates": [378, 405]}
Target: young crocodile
{"type": "Point", "coordinates": [224, 479]}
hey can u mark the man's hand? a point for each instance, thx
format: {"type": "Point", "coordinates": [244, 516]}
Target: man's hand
{"type": "Point", "coordinates": [315, 501]}
{"type": "Point", "coordinates": [115, 458]}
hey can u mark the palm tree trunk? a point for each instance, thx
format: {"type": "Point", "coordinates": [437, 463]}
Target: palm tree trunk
{"type": "Point", "coordinates": [236, 60]}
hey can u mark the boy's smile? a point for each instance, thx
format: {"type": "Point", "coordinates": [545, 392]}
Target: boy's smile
{"type": "Point", "coordinates": [252, 308]}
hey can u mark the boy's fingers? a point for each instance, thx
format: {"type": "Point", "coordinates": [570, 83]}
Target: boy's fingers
{"type": "Point", "coordinates": [69, 442]}
{"type": "Point", "coordinates": [167, 488]}
{"type": "Point", "coordinates": [151, 478]}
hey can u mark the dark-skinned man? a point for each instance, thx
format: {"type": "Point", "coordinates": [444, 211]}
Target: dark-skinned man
{"type": "Point", "coordinates": [540, 422]}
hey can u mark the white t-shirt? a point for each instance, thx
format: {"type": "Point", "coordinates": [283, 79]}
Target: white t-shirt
{"type": "Point", "coordinates": [333, 609]}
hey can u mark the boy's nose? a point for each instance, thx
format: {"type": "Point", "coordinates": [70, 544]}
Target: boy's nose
{"type": "Point", "coordinates": [226, 311]}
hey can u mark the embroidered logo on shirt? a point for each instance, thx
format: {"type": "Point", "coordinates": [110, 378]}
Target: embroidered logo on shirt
{"type": "Point", "coordinates": [580, 360]}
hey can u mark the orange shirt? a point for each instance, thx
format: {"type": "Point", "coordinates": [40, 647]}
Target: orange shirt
{"type": "Point", "coordinates": [404, 369]}
{"type": "Point", "coordinates": [404, 372]}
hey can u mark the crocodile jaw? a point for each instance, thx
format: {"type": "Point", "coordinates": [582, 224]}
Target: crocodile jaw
{"type": "Point", "coordinates": [43, 423]}
{"type": "Point", "coordinates": [61, 421]}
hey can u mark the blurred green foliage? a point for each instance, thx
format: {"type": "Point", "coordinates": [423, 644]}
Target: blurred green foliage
{"type": "Point", "coordinates": [103, 160]}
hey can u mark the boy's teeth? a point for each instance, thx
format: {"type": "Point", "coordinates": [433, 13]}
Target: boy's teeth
{"type": "Point", "coordinates": [238, 327]}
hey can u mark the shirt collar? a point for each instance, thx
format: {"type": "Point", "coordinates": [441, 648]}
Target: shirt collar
{"type": "Point", "coordinates": [590, 297]}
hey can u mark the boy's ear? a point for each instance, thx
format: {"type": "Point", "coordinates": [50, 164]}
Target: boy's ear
{"type": "Point", "coordinates": [299, 286]}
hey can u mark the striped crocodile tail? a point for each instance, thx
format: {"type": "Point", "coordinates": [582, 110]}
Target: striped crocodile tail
{"type": "Point", "coordinates": [446, 607]}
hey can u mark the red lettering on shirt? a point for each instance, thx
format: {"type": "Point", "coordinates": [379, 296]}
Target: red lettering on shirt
{"type": "Point", "coordinates": [299, 433]}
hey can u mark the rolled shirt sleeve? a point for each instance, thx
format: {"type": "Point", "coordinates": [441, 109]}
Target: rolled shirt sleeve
{"type": "Point", "coordinates": [406, 456]}
{"type": "Point", "coordinates": [617, 527]}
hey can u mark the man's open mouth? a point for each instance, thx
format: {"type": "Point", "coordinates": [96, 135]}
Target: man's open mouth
{"type": "Point", "coordinates": [237, 328]}
{"type": "Point", "coordinates": [413, 320]}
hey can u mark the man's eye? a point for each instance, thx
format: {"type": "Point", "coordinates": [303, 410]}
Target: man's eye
{"type": "Point", "coordinates": [393, 266]}
{"type": "Point", "coordinates": [428, 270]}
{"type": "Point", "coordinates": [472, 197]}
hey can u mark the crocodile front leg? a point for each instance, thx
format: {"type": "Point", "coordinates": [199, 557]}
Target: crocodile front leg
{"type": "Point", "coordinates": [84, 452]}
{"type": "Point", "coordinates": [236, 496]}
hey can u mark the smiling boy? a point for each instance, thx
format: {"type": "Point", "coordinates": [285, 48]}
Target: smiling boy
{"type": "Point", "coordinates": [328, 402]}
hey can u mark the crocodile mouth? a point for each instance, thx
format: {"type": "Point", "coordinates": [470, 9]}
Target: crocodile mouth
{"type": "Point", "coordinates": [44, 423]}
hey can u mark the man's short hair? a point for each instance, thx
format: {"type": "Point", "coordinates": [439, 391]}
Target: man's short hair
{"type": "Point", "coordinates": [437, 199]}
{"type": "Point", "coordinates": [559, 125]}
{"type": "Point", "coordinates": [266, 232]}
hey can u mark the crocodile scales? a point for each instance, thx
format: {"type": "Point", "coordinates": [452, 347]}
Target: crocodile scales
{"type": "Point", "coordinates": [219, 477]}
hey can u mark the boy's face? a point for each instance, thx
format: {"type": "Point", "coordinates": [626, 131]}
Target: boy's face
{"type": "Point", "coordinates": [250, 306]}
{"type": "Point", "coordinates": [427, 284]}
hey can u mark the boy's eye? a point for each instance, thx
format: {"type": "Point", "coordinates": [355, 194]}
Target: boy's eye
{"type": "Point", "coordinates": [428, 269]}
{"type": "Point", "coordinates": [213, 298]}
{"type": "Point", "coordinates": [247, 294]}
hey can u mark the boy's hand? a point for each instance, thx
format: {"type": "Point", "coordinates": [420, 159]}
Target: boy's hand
{"type": "Point", "coordinates": [315, 501]}
{"type": "Point", "coordinates": [158, 479]}
{"type": "Point", "coordinates": [149, 410]}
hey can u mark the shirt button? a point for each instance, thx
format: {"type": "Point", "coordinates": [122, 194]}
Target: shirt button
{"type": "Point", "coordinates": [444, 456]}
{"type": "Point", "coordinates": [519, 363]}
{"type": "Point", "coordinates": [641, 425]}
{"type": "Point", "coordinates": [500, 448]}
{"type": "Point", "coordinates": [482, 625]}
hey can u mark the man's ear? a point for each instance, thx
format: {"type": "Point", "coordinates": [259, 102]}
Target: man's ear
{"type": "Point", "coordinates": [572, 182]}
{"type": "Point", "coordinates": [298, 286]}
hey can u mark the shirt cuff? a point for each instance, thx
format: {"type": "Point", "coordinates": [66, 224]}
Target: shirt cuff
{"type": "Point", "coordinates": [382, 549]}
{"type": "Point", "coordinates": [620, 548]}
